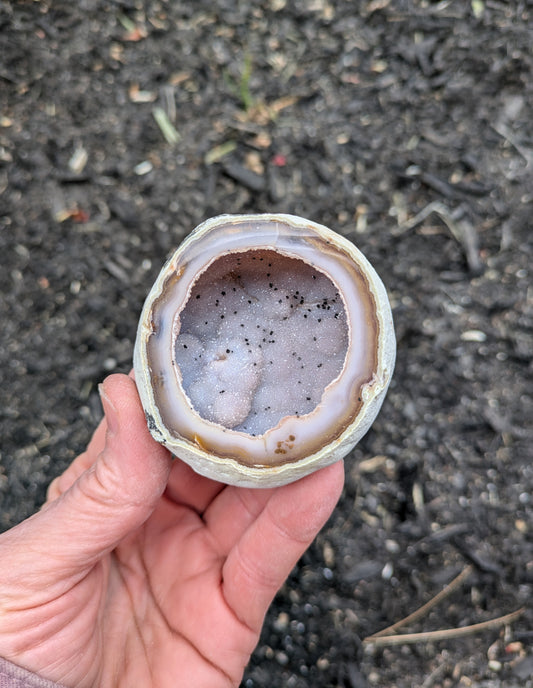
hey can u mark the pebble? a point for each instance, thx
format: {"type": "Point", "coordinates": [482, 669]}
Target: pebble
{"type": "Point", "coordinates": [282, 622]}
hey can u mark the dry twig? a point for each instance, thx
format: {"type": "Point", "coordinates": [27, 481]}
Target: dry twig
{"type": "Point", "coordinates": [425, 608]}
{"type": "Point", "coordinates": [444, 634]}
{"type": "Point", "coordinates": [460, 229]}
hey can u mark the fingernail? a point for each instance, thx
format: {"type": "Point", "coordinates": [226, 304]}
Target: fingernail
{"type": "Point", "coordinates": [110, 411]}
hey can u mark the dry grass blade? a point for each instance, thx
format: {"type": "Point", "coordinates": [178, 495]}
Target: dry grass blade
{"type": "Point", "coordinates": [168, 130]}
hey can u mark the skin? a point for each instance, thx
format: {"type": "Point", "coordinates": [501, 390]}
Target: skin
{"type": "Point", "coordinates": [139, 572]}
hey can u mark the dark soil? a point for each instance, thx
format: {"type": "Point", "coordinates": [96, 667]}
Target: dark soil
{"type": "Point", "coordinates": [405, 125]}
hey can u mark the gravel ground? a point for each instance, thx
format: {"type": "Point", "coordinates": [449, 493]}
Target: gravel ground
{"type": "Point", "coordinates": [405, 125]}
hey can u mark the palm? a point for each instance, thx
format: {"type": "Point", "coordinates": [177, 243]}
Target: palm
{"type": "Point", "coordinates": [140, 572]}
{"type": "Point", "coordinates": [168, 594]}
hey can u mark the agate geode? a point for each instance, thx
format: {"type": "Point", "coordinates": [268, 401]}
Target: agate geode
{"type": "Point", "coordinates": [264, 349]}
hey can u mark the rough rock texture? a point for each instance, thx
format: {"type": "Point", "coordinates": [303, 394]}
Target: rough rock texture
{"type": "Point", "coordinates": [403, 124]}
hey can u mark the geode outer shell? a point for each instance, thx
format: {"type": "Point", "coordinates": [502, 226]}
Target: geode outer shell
{"type": "Point", "coordinates": [169, 346]}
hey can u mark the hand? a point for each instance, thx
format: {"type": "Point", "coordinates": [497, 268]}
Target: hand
{"type": "Point", "coordinates": [139, 572]}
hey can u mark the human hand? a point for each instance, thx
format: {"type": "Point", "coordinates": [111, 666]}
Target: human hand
{"type": "Point", "coordinates": [139, 572]}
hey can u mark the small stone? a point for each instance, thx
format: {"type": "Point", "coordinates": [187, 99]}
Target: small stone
{"type": "Point", "coordinates": [329, 555]}
{"type": "Point", "coordinates": [387, 571]}
{"type": "Point", "coordinates": [392, 546]}
{"type": "Point", "coordinates": [282, 622]}
{"type": "Point", "coordinates": [143, 168]}
{"type": "Point", "coordinates": [473, 336]}
{"type": "Point", "coordinates": [282, 658]}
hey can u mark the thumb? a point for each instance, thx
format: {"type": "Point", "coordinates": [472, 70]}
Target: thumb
{"type": "Point", "coordinates": [120, 490]}
{"type": "Point", "coordinates": [111, 499]}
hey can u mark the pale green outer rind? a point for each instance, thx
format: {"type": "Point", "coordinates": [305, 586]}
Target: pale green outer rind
{"type": "Point", "coordinates": [227, 470]}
